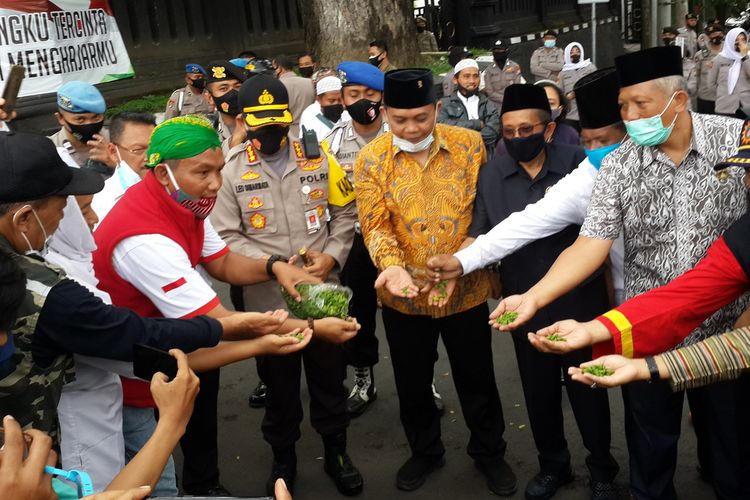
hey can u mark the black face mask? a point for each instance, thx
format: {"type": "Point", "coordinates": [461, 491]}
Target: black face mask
{"type": "Point", "coordinates": [668, 41]}
{"type": "Point", "coordinates": [716, 41]}
{"type": "Point", "coordinates": [375, 60]}
{"type": "Point", "coordinates": [500, 58]}
{"type": "Point", "coordinates": [229, 103]}
{"type": "Point", "coordinates": [271, 138]}
{"type": "Point", "coordinates": [525, 148]}
{"type": "Point", "coordinates": [420, 29]}
{"type": "Point", "coordinates": [332, 112]}
{"type": "Point", "coordinates": [199, 83]}
{"type": "Point", "coordinates": [364, 111]}
{"type": "Point", "coordinates": [306, 71]}
{"type": "Point", "coordinates": [86, 132]}
{"type": "Point", "coordinates": [575, 59]}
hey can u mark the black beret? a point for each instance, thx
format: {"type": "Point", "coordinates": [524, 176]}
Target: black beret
{"type": "Point", "coordinates": [596, 97]}
{"type": "Point", "coordinates": [409, 88]}
{"type": "Point", "coordinates": [524, 96]}
{"type": "Point", "coordinates": [649, 64]}
{"type": "Point", "coordinates": [32, 170]}
{"type": "Point", "coordinates": [219, 71]}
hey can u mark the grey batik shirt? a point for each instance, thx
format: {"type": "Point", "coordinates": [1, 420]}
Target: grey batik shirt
{"type": "Point", "coordinates": [670, 214]}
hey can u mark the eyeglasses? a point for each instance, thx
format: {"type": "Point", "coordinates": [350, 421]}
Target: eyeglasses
{"type": "Point", "coordinates": [525, 131]}
{"type": "Point", "coordinates": [134, 151]}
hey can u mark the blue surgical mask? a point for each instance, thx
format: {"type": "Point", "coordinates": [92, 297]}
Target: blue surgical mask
{"type": "Point", "coordinates": [650, 131]}
{"type": "Point", "coordinates": [597, 155]}
{"type": "Point", "coordinates": [549, 43]}
{"type": "Point", "coordinates": [127, 177]}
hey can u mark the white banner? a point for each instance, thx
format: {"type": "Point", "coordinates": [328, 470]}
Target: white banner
{"type": "Point", "coordinates": [59, 41]}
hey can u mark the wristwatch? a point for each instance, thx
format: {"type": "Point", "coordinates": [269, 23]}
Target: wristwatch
{"type": "Point", "coordinates": [653, 369]}
{"type": "Point", "coordinates": [270, 262]}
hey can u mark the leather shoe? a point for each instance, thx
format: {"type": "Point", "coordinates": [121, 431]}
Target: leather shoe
{"type": "Point", "coordinates": [544, 485]}
{"type": "Point", "coordinates": [500, 477]}
{"type": "Point", "coordinates": [257, 398]}
{"type": "Point", "coordinates": [414, 472]}
{"type": "Point", "coordinates": [603, 490]}
{"type": "Point", "coordinates": [345, 475]}
{"type": "Point", "coordinates": [214, 491]}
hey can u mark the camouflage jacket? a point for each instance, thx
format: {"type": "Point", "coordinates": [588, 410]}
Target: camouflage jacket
{"type": "Point", "coordinates": [31, 392]}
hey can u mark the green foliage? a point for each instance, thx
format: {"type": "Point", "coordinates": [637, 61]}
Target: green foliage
{"type": "Point", "coordinates": [507, 317]}
{"type": "Point", "coordinates": [146, 104]}
{"type": "Point", "coordinates": [556, 338]}
{"type": "Point", "coordinates": [598, 371]}
{"type": "Point", "coordinates": [319, 301]}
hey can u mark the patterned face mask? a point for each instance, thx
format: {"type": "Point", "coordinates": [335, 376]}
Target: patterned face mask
{"type": "Point", "coordinates": [201, 207]}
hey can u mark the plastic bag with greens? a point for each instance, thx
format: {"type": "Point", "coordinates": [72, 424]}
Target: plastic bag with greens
{"type": "Point", "coordinates": [319, 301]}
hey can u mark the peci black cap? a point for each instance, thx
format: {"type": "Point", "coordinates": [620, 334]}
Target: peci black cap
{"type": "Point", "coordinates": [649, 64]}
{"type": "Point", "coordinates": [219, 71]}
{"type": "Point", "coordinates": [409, 88]}
{"type": "Point", "coordinates": [265, 101]}
{"type": "Point", "coordinates": [524, 96]}
{"type": "Point", "coordinates": [32, 170]}
{"type": "Point", "coordinates": [596, 96]}
{"type": "Point", "coordinates": [670, 30]}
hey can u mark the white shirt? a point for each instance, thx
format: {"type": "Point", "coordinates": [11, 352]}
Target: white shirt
{"type": "Point", "coordinates": [160, 269]}
{"type": "Point", "coordinates": [471, 104]}
{"type": "Point", "coordinates": [564, 204]}
{"type": "Point", "coordinates": [123, 178]}
{"type": "Point", "coordinates": [310, 121]}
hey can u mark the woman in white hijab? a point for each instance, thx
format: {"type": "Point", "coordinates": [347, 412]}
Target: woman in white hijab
{"type": "Point", "coordinates": [730, 75]}
{"type": "Point", "coordinates": [575, 68]}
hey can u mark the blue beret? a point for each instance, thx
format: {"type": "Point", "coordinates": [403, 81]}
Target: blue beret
{"type": "Point", "coordinates": [80, 97]}
{"type": "Point", "coordinates": [240, 62]}
{"type": "Point", "coordinates": [360, 73]}
{"type": "Point", "coordinates": [194, 68]}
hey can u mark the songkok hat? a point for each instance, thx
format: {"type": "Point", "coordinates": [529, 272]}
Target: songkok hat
{"type": "Point", "coordinates": [179, 138]}
{"type": "Point", "coordinates": [649, 64]}
{"type": "Point", "coordinates": [670, 30]}
{"type": "Point", "coordinates": [32, 170]}
{"type": "Point", "coordinates": [360, 73]}
{"type": "Point", "coordinates": [550, 33]}
{"type": "Point", "coordinates": [463, 64]}
{"type": "Point", "coordinates": [742, 157]}
{"type": "Point", "coordinates": [194, 68]}
{"type": "Point", "coordinates": [80, 97]}
{"type": "Point", "coordinates": [596, 96]}
{"type": "Point", "coordinates": [524, 96]}
{"type": "Point", "coordinates": [265, 101]}
{"type": "Point", "coordinates": [219, 71]}
{"type": "Point", "coordinates": [409, 88]}
{"type": "Point", "coordinates": [328, 84]}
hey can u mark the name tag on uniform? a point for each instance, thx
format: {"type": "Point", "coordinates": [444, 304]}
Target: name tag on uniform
{"type": "Point", "coordinates": [312, 219]}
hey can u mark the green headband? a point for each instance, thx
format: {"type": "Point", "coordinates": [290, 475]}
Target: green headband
{"type": "Point", "coordinates": [179, 138]}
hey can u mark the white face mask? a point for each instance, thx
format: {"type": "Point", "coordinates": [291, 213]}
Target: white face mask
{"type": "Point", "coordinates": [125, 174]}
{"type": "Point", "coordinates": [31, 249]}
{"type": "Point", "coordinates": [411, 147]}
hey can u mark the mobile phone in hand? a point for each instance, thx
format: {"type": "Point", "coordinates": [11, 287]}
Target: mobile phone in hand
{"type": "Point", "coordinates": [12, 87]}
{"type": "Point", "coordinates": [148, 360]}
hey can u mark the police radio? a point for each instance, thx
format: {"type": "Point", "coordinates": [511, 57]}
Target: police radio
{"type": "Point", "coordinates": [310, 143]}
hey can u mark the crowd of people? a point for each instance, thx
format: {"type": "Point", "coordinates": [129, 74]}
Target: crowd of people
{"type": "Point", "coordinates": [607, 215]}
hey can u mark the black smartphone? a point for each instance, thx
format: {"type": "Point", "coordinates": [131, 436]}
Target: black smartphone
{"type": "Point", "coordinates": [148, 360]}
{"type": "Point", "coordinates": [310, 143]}
{"type": "Point", "coordinates": [12, 87]}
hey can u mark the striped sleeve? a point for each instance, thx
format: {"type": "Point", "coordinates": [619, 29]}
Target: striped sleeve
{"type": "Point", "coordinates": [718, 358]}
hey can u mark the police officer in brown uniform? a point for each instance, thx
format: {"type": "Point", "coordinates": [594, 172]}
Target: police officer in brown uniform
{"type": "Point", "coordinates": [223, 82]}
{"type": "Point", "coordinates": [502, 74]}
{"type": "Point", "coordinates": [192, 98]}
{"type": "Point", "coordinates": [547, 61]}
{"type": "Point", "coordinates": [274, 201]}
{"type": "Point", "coordinates": [704, 61]}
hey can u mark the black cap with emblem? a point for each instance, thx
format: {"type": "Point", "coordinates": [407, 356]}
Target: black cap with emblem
{"type": "Point", "coordinates": [596, 97]}
{"type": "Point", "coordinates": [264, 101]}
{"type": "Point", "coordinates": [219, 71]}
{"type": "Point", "coordinates": [31, 170]}
{"type": "Point", "coordinates": [409, 88]}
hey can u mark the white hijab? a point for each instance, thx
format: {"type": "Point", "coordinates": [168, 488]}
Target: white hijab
{"type": "Point", "coordinates": [582, 63]}
{"type": "Point", "coordinates": [731, 54]}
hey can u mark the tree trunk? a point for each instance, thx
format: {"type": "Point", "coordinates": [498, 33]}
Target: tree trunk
{"type": "Point", "coordinates": [337, 30]}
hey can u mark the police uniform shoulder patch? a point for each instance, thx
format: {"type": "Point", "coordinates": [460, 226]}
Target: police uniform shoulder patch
{"type": "Point", "coordinates": [257, 220]}
{"type": "Point", "coordinates": [252, 156]}
{"type": "Point", "coordinates": [255, 203]}
{"type": "Point", "coordinates": [250, 175]}
{"type": "Point", "coordinates": [298, 151]}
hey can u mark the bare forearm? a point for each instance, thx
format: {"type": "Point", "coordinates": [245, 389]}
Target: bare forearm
{"type": "Point", "coordinates": [240, 270]}
{"type": "Point", "coordinates": [223, 354]}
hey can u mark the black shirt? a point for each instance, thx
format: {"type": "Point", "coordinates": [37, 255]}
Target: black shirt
{"type": "Point", "coordinates": [503, 188]}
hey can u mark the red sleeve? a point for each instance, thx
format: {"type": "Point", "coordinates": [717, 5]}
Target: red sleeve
{"type": "Point", "coordinates": [659, 319]}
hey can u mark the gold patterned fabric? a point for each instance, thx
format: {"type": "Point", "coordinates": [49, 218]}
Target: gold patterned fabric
{"type": "Point", "coordinates": [409, 212]}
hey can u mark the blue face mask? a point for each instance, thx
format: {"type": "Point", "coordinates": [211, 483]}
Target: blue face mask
{"type": "Point", "coordinates": [549, 43]}
{"type": "Point", "coordinates": [650, 131]}
{"type": "Point", "coordinates": [597, 155]}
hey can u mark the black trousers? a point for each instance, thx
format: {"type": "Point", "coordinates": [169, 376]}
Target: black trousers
{"type": "Point", "coordinates": [707, 107]}
{"type": "Point", "coordinates": [467, 339]}
{"type": "Point", "coordinates": [325, 371]}
{"type": "Point", "coordinates": [200, 468]}
{"type": "Point", "coordinates": [359, 274]}
{"type": "Point", "coordinates": [540, 378]}
{"type": "Point", "coordinates": [653, 414]}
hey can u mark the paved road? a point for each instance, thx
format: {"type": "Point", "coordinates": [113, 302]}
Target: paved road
{"type": "Point", "coordinates": [378, 447]}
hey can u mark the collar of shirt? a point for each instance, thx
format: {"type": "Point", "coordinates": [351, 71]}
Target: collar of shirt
{"type": "Point", "coordinates": [698, 143]}
{"type": "Point", "coordinates": [471, 104]}
{"type": "Point", "coordinates": [508, 166]}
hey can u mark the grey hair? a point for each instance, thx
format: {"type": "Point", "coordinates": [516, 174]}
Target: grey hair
{"type": "Point", "coordinates": [671, 84]}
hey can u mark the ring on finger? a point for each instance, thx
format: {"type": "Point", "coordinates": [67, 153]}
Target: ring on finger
{"type": "Point", "coordinates": [594, 386]}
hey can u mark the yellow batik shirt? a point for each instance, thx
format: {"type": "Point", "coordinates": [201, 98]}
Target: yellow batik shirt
{"type": "Point", "coordinates": [409, 213]}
